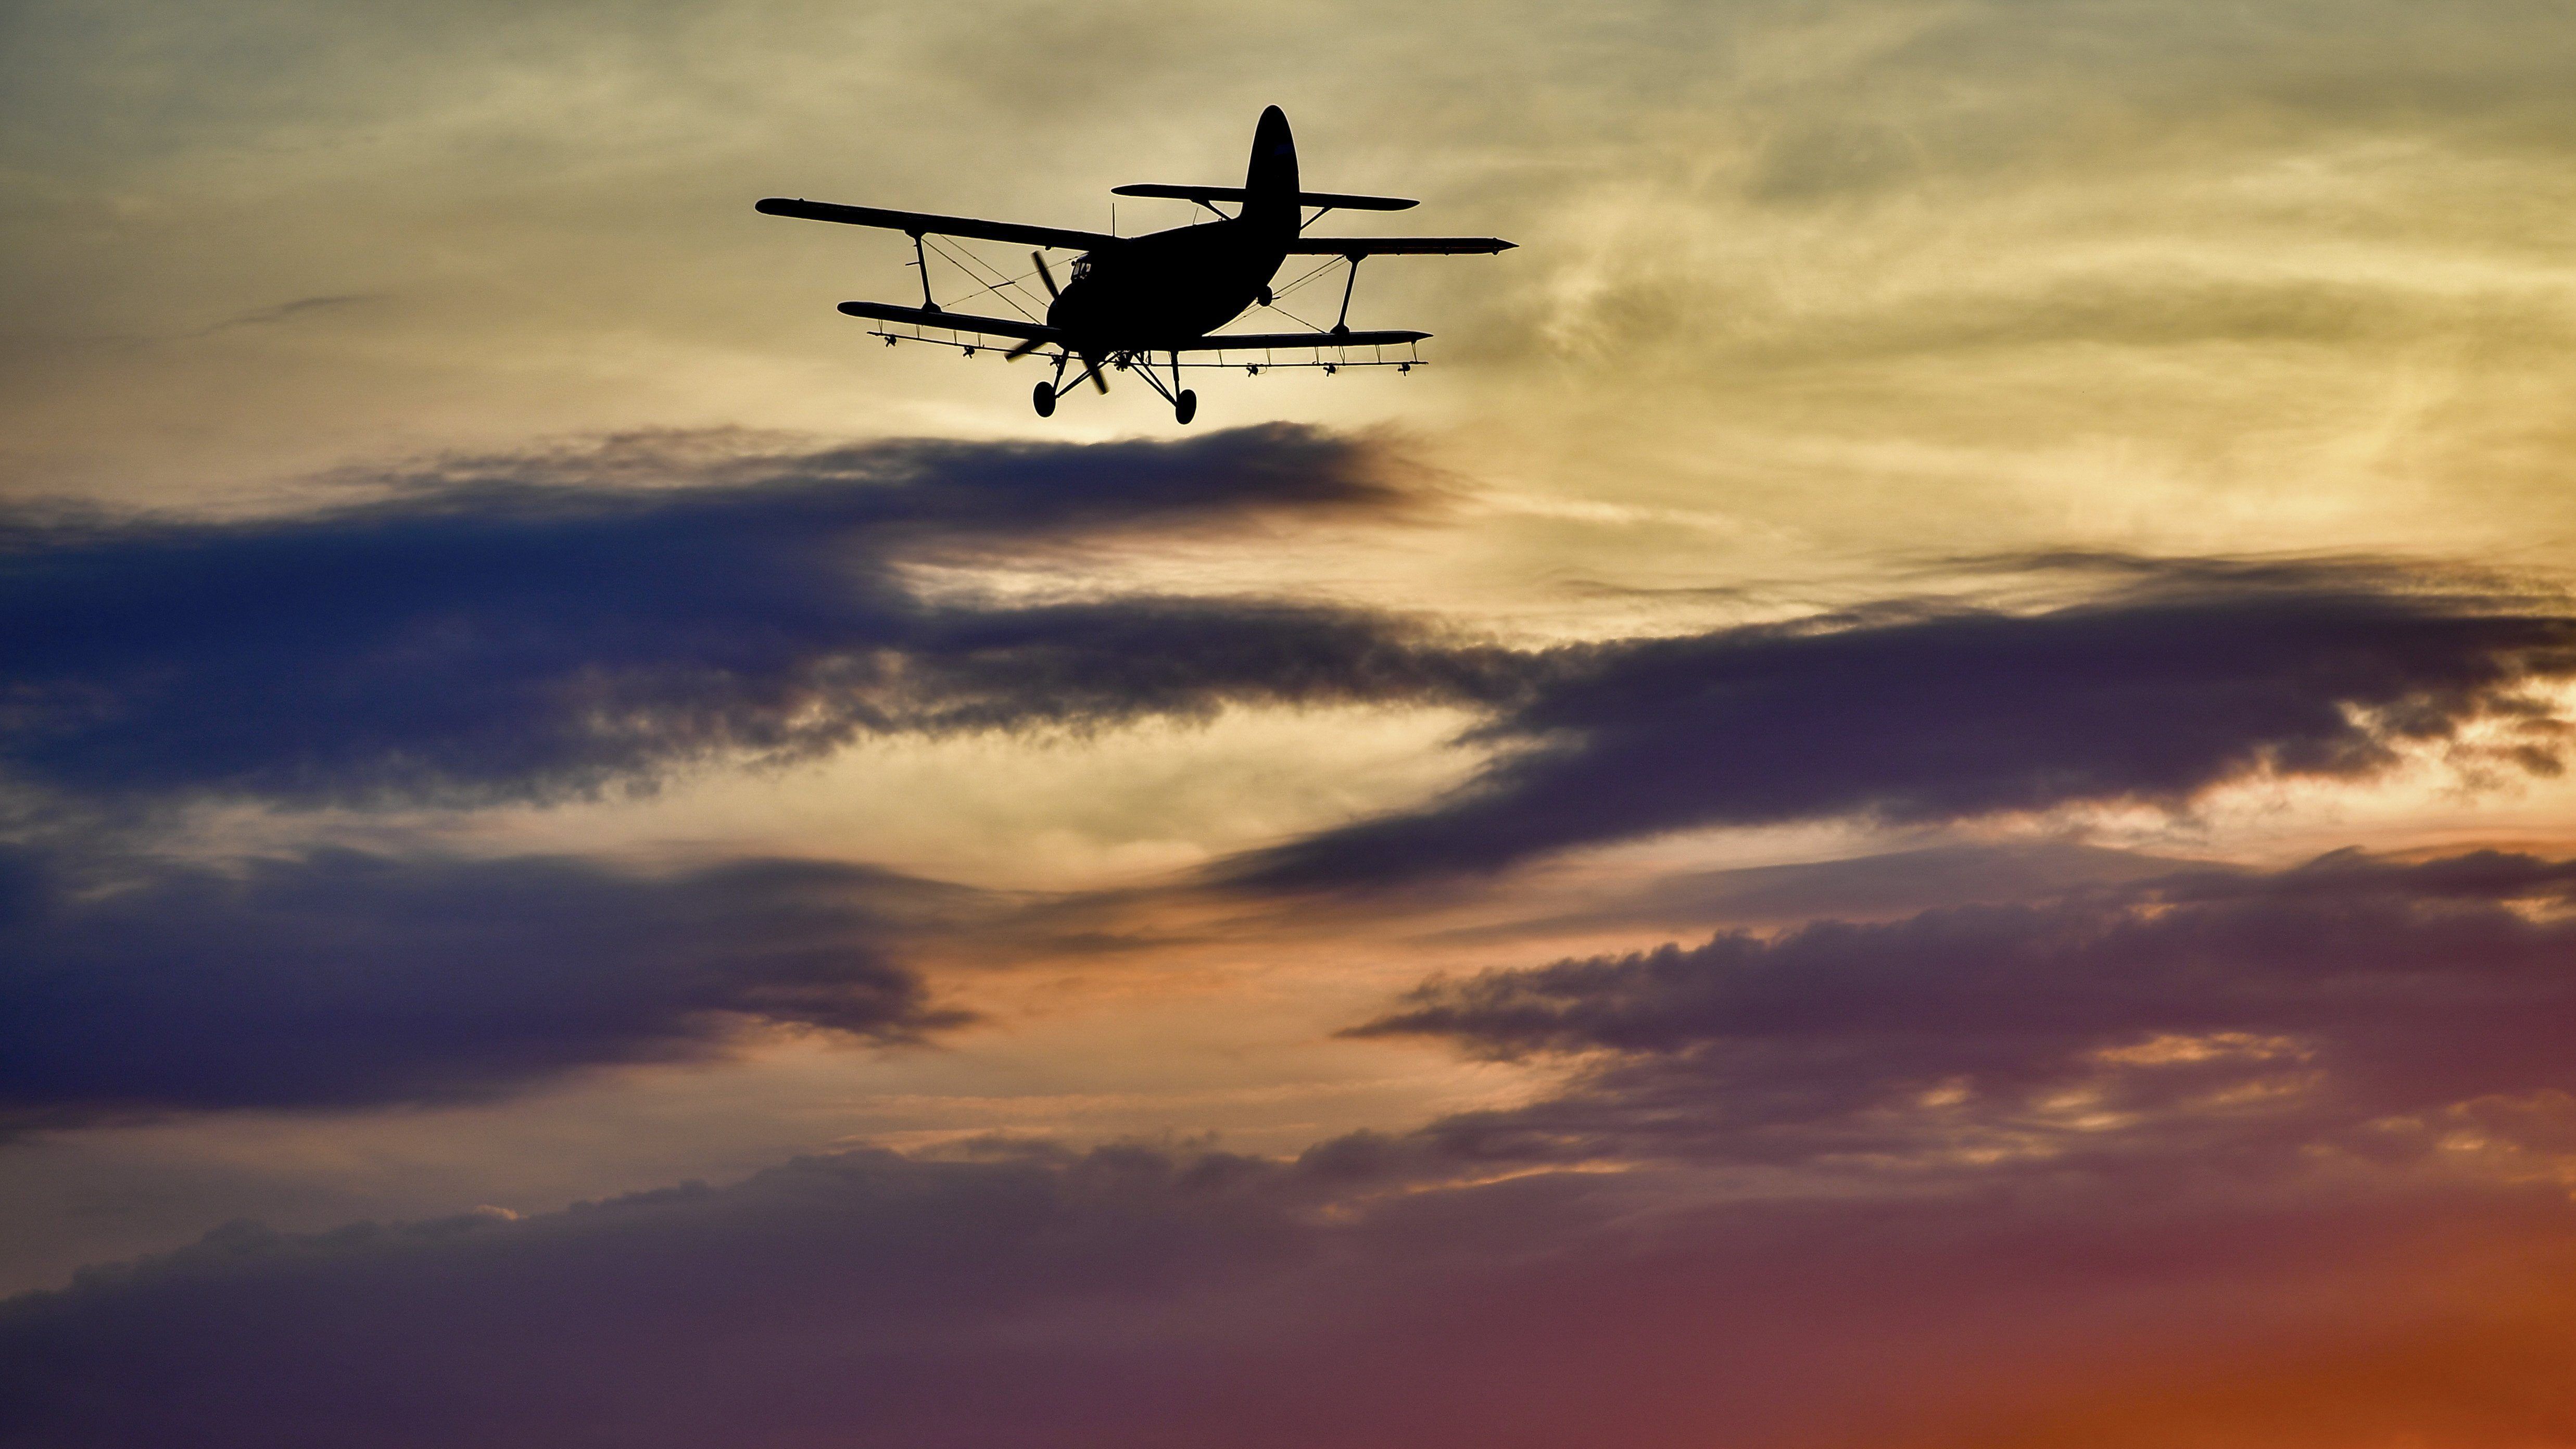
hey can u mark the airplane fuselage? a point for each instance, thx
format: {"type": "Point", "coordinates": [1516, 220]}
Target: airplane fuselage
{"type": "Point", "coordinates": [1169, 288]}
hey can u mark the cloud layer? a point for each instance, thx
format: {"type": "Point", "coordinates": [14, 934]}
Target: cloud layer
{"type": "Point", "coordinates": [2199, 676]}
{"type": "Point", "coordinates": [550, 623]}
{"type": "Point", "coordinates": [340, 978]}
{"type": "Point", "coordinates": [556, 622]}
{"type": "Point", "coordinates": [561, 622]}
{"type": "Point", "coordinates": [2356, 1004]}
{"type": "Point", "coordinates": [1131, 1296]}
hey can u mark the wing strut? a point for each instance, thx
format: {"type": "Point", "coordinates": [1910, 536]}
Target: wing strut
{"type": "Point", "coordinates": [1342, 324]}
{"type": "Point", "coordinates": [923, 263]}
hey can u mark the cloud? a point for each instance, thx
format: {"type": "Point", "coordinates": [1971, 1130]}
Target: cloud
{"type": "Point", "coordinates": [570, 621]}
{"type": "Point", "coordinates": [1866, 887]}
{"type": "Point", "coordinates": [2156, 1160]}
{"type": "Point", "coordinates": [290, 311]}
{"type": "Point", "coordinates": [558, 622]}
{"type": "Point", "coordinates": [1131, 1295]}
{"type": "Point", "coordinates": [2354, 1002]}
{"type": "Point", "coordinates": [487, 636]}
{"type": "Point", "coordinates": [340, 978]}
{"type": "Point", "coordinates": [2200, 675]}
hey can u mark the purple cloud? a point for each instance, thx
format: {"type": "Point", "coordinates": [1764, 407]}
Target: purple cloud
{"type": "Point", "coordinates": [2196, 676]}
{"type": "Point", "coordinates": [341, 978]}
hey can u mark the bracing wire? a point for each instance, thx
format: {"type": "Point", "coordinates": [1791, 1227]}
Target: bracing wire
{"type": "Point", "coordinates": [1311, 273]}
{"type": "Point", "coordinates": [987, 273]}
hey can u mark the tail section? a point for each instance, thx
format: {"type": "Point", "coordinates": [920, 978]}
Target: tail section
{"type": "Point", "coordinates": [1270, 182]}
{"type": "Point", "coordinates": [1269, 194]}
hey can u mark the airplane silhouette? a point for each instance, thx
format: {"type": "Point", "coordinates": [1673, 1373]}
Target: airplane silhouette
{"type": "Point", "coordinates": [1167, 291]}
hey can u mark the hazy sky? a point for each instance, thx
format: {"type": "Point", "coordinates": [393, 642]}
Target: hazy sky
{"type": "Point", "coordinates": [1914, 796]}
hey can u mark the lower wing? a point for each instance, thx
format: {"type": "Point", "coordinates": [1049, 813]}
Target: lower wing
{"type": "Point", "coordinates": [1245, 340]}
{"type": "Point", "coordinates": [1040, 332]}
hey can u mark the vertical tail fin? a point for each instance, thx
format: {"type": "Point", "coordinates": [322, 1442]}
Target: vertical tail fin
{"type": "Point", "coordinates": [1270, 182]}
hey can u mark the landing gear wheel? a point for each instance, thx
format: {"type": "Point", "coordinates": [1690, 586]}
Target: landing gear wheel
{"type": "Point", "coordinates": [1185, 407]}
{"type": "Point", "coordinates": [1043, 400]}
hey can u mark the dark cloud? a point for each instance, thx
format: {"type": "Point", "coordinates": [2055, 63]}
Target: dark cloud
{"type": "Point", "coordinates": [2196, 677]}
{"type": "Point", "coordinates": [556, 622]}
{"type": "Point", "coordinates": [565, 622]}
{"type": "Point", "coordinates": [1128, 1296]}
{"type": "Point", "coordinates": [2345, 1001]}
{"type": "Point", "coordinates": [1869, 887]}
{"type": "Point", "coordinates": [2179, 1160]}
{"type": "Point", "coordinates": [340, 979]}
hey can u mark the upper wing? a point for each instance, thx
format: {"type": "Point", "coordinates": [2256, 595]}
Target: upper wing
{"type": "Point", "coordinates": [1332, 200]}
{"type": "Point", "coordinates": [1227, 342]}
{"type": "Point", "coordinates": [1370, 246]}
{"type": "Point", "coordinates": [955, 321]}
{"type": "Point", "coordinates": [923, 221]}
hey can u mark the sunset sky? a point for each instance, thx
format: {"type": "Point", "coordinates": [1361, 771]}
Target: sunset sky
{"type": "Point", "coordinates": [1914, 797]}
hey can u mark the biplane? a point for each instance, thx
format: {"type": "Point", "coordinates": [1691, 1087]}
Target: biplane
{"type": "Point", "coordinates": [1166, 292]}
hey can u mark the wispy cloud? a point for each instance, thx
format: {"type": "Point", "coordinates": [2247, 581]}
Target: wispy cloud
{"type": "Point", "coordinates": [290, 311]}
{"type": "Point", "coordinates": [2200, 676]}
{"type": "Point", "coordinates": [2353, 1004]}
{"type": "Point", "coordinates": [342, 979]}
{"type": "Point", "coordinates": [555, 623]}
{"type": "Point", "coordinates": [1137, 1294]}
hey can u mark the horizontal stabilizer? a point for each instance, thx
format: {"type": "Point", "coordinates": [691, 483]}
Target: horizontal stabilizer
{"type": "Point", "coordinates": [1386, 246]}
{"type": "Point", "coordinates": [931, 223]}
{"type": "Point", "coordinates": [1336, 200]}
{"type": "Point", "coordinates": [1248, 341]}
{"type": "Point", "coordinates": [955, 321]}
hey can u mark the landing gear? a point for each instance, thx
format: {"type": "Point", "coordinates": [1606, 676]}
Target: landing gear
{"type": "Point", "coordinates": [1044, 399]}
{"type": "Point", "coordinates": [1185, 403]}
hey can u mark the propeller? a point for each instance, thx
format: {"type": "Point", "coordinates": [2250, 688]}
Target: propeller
{"type": "Point", "coordinates": [1034, 343]}
{"type": "Point", "coordinates": [1090, 364]}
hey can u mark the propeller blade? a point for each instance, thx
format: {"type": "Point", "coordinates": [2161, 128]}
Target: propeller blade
{"type": "Point", "coordinates": [1098, 381]}
{"type": "Point", "coordinates": [1024, 349]}
{"type": "Point", "coordinates": [1043, 274]}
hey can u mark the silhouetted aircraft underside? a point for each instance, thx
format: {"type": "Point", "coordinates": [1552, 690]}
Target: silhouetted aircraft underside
{"type": "Point", "coordinates": [1166, 291]}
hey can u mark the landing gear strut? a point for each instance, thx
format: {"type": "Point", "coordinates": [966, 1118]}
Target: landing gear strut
{"type": "Point", "coordinates": [1185, 403]}
{"type": "Point", "coordinates": [1043, 398]}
